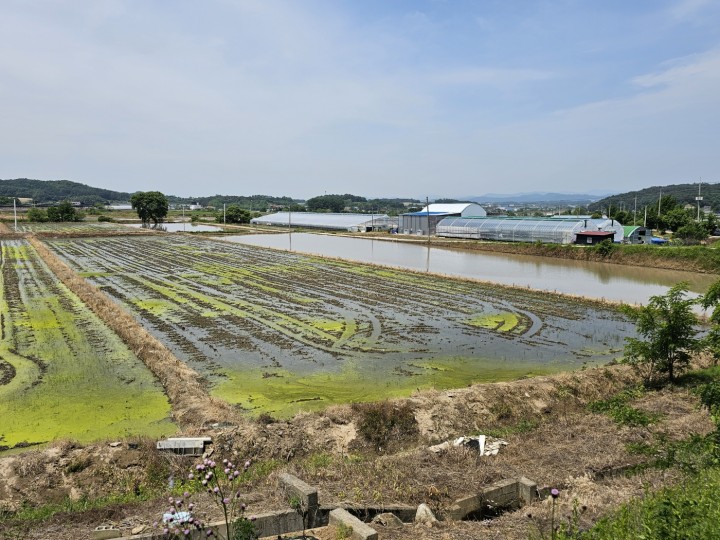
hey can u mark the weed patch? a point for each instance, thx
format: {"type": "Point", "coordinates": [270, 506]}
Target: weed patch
{"type": "Point", "coordinates": [618, 409]}
{"type": "Point", "coordinates": [385, 424]}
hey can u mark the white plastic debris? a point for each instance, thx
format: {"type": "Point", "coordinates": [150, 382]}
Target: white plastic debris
{"type": "Point", "coordinates": [486, 446]}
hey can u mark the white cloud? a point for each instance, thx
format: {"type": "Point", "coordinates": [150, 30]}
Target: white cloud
{"type": "Point", "coordinates": [275, 96]}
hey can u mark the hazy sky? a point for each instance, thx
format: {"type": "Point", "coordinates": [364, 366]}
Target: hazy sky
{"type": "Point", "coordinates": [373, 97]}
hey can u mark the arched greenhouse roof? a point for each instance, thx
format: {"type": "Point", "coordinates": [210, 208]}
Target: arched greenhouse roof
{"type": "Point", "coordinates": [319, 220]}
{"type": "Point", "coordinates": [511, 229]}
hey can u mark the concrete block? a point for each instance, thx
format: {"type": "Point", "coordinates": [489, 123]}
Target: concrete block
{"type": "Point", "coordinates": [185, 446]}
{"type": "Point", "coordinates": [465, 506]}
{"type": "Point", "coordinates": [501, 493]}
{"type": "Point", "coordinates": [360, 530]}
{"type": "Point", "coordinates": [102, 532]}
{"type": "Point", "coordinates": [278, 523]}
{"type": "Point", "coordinates": [527, 490]}
{"type": "Point", "coordinates": [307, 495]}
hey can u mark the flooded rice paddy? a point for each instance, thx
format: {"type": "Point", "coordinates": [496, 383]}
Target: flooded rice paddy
{"type": "Point", "coordinates": [68, 227]}
{"type": "Point", "coordinates": [592, 279]}
{"type": "Point", "coordinates": [63, 373]}
{"type": "Point", "coordinates": [177, 227]}
{"type": "Point", "coordinates": [277, 331]}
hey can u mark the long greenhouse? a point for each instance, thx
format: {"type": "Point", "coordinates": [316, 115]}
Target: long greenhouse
{"type": "Point", "coordinates": [513, 229]}
{"type": "Point", "coordinates": [318, 220]}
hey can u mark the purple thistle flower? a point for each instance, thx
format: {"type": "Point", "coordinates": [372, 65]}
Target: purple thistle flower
{"type": "Point", "coordinates": [216, 489]}
{"type": "Point", "coordinates": [209, 532]}
{"type": "Point", "coordinates": [191, 476]}
{"type": "Point", "coordinates": [227, 471]}
{"type": "Point", "coordinates": [226, 501]}
{"type": "Point", "coordinates": [204, 482]}
{"type": "Point", "coordinates": [554, 493]}
{"type": "Point", "coordinates": [186, 494]}
{"type": "Point", "coordinates": [236, 474]}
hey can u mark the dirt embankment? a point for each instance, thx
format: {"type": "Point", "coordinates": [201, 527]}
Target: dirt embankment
{"type": "Point", "coordinates": [552, 437]}
{"type": "Point", "coordinates": [192, 406]}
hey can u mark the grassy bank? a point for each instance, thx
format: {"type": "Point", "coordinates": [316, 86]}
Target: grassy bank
{"type": "Point", "coordinates": [689, 258]}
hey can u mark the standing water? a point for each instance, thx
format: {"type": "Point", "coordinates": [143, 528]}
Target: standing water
{"type": "Point", "coordinates": [631, 284]}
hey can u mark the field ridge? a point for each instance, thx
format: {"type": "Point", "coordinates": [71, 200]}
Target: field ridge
{"type": "Point", "coordinates": [191, 404]}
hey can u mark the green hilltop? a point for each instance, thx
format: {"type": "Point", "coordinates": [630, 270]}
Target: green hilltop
{"type": "Point", "coordinates": [683, 193]}
{"type": "Point", "coordinates": [53, 191]}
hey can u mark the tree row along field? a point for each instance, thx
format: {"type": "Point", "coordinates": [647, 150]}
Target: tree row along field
{"type": "Point", "coordinates": [63, 372]}
{"type": "Point", "coordinates": [280, 332]}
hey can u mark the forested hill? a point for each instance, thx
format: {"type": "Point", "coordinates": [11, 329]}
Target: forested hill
{"type": "Point", "coordinates": [683, 193]}
{"type": "Point", "coordinates": [52, 191]}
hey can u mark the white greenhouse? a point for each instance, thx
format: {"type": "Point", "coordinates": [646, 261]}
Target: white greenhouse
{"type": "Point", "coordinates": [319, 220]}
{"type": "Point", "coordinates": [513, 229]}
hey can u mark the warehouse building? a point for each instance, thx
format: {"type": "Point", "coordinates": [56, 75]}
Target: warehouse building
{"type": "Point", "coordinates": [637, 235]}
{"type": "Point", "coordinates": [318, 220]}
{"type": "Point", "coordinates": [427, 219]}
{"type": "Point", "coordinates": [519, 229]}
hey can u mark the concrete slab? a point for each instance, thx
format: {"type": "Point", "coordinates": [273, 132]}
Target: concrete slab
{"type": "Point", "coordinates": [360, 530]}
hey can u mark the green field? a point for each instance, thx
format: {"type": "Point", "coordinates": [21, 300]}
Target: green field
{"type": "Point", "coordinates": [63, 373]}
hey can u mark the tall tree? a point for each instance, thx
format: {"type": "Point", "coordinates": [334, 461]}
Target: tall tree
{"type": "Point", "coordinates": [234, 214]}
{"type": "Point", "coordinates": [150, 206]}
{"type": "Point", "coordinates": [668, 325]}
{"type": "Point", "coordinates": [63, 212]}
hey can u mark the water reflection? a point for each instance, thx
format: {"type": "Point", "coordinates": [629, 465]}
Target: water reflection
{"type": "Point", "coordinates": [591, 279]}
{"type": "Point", "coordinates": [176, 227]}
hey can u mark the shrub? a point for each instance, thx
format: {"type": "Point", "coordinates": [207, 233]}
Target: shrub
{"type": "Point", "coordinates": [383, 423]}
{"type": "Point", "coordinates": [605, 248]}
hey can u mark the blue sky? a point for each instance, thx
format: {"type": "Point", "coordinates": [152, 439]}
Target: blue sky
{"type": "Point", "coordinates": [446, 98]}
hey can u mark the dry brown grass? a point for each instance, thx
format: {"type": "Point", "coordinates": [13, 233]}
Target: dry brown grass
{"type": "Point", "coordinates": [185, 388]}
{"type": "Point", "coordinates": [565, 447]}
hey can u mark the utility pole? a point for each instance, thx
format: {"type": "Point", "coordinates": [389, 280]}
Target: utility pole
{"type": "Point", "coordinates": [635, 212]}
{"type": "Point", "coordinates": [427, 207]}
{"type": "Point", "coordinates": [645, 220]}
{"type": "Point", "coordinates": [698, 199]}
{"type": "Point", "coordinates": [224, 214]}
{"type": "Point", "coordinates": [15, 213]}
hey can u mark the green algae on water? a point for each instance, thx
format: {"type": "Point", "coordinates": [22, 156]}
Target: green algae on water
{"type": "Point", "coordinates": [73, 377]}
{"type": "Point", "coordinates": [283, 393]}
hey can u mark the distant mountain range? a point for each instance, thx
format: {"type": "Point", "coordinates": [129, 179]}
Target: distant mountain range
{"type": "Point", "coordinates": [540, 197]}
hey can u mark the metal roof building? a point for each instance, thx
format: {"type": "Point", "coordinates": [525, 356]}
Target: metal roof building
{"type": "Point", "coordinates": [637, 234]}
{"type": "Point", "coordinates": [319, 220]}
{"type": "Point", "coordinates": [518, 229]}
{"type": "Point", "coordinates": [427, 219]}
